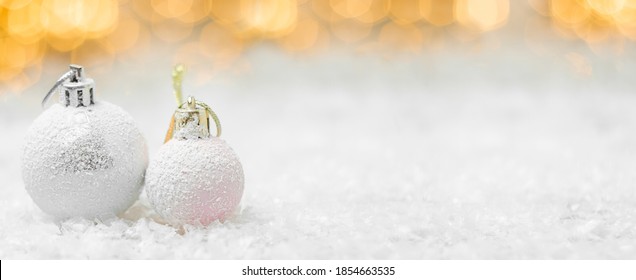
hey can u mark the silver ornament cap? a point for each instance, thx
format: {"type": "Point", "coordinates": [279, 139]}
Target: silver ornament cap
{"type": "Point", "coordinates": [77, 90]}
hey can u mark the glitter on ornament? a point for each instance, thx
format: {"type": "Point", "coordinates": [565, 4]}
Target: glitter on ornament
{"type": "Point", "coordinates": [195, 178]}
{"type": "Point", "coordinates": [82, 157]}
{"type": "Point", "coordinates": [192, 181]}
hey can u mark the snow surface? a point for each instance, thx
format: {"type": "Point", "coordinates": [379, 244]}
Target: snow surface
{"type": "Point", "coordinates": [500, 155]}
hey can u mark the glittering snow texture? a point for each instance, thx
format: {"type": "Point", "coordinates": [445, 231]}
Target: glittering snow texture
{"type": "Point", "coordinates": [194, 181]}
{"type": "Point", "coordinates": [474, 154]}
{"type": "Point", "coordinates": [84, 161]}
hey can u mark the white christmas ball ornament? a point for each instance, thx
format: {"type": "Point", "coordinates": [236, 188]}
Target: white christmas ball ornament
{"type": "Point", "coordinates": [195, 178]}
{"type": "Point", "coordinates": [83, 158]}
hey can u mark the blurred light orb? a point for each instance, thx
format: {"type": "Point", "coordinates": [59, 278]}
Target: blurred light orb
{"type": "Point", "coordinates": [350, 8]}
{"type": "Point", "coordinates": [570, 12]}
{"type": "Point", "coordinates": [595, 21]}
{"type": "Point", "coordinates": [199, 11]}
{"type": "Point", "coordinates": [324, 11]}
{"type": "Point", "coordinates": [226, 11]}
{"type": "Point", "coordinates": [438, 13]}
{"type": "Point", "coordinates": [24, 24]}
{"type": "Point", "coordinates": [378, 10]}
{"type": "Point", "coordinates": [14, 4]}
{"type": "Point", "coordinates": [171, 8]}
{"type": "Point", "coordinates": [606, 7]}
{"type": "Point", "coordinates": [405, 11]}
{"type": "Point", "coordinates": [482, 15]}
{"type": "Point", "coordinates": [31, 29]}
{"type": "Point", "coordinates": [271, 18]}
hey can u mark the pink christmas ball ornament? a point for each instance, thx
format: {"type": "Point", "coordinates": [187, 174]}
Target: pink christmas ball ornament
{"type": "Point", "coordinates": [195, 178]}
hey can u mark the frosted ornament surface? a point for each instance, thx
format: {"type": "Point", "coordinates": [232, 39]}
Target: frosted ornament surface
{"type": "Point", "coordinates": [195, 181]}
{"type": "Point", "coordinates": [85, 161]}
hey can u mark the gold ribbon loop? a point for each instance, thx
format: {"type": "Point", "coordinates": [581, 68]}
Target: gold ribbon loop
{"type": "Point", "coordinates": [177, 81]}
{"type": "Point", "coordinates": [210, 114]}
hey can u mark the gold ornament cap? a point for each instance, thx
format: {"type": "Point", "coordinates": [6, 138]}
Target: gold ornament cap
{"type": "Point", "coordinates": [191, 120]}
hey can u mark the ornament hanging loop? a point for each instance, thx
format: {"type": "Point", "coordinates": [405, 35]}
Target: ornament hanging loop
{"type": "Point", "coordinates": [185, 113]}
{"type": "Point", "coordinates": [74, 75]}
{"type": "Point", "coordinates": [192, 103]}
{"type": "Point", "coordinates": [177, 81]}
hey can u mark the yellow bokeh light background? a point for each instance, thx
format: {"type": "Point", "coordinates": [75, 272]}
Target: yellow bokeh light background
{"type": "Point", "coordinates": [102, 31]}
